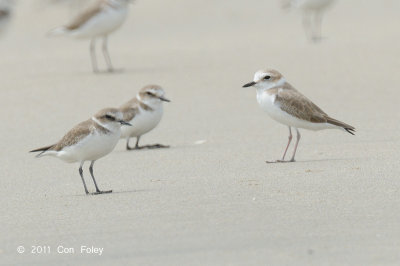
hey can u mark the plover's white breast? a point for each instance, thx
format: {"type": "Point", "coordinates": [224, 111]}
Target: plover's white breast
{"type": "Point", "coordinates": [90, 148]}
{"type": "Point", "coordinates": [102, 23]}
{"type": "Point", "coordinates": [268, 104]}
{"type": "Point", "coordinates": [143, 122]}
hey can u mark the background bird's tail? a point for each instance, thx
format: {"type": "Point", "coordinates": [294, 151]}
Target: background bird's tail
{"type": "Point", "coordinates": [42, 150]}
{"type": "Point", "coordinates": [348, 128]}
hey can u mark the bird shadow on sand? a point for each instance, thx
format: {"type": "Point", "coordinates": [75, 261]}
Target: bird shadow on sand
{"type": "Point", "coordinates": [143, 150]}
{"type": "Point", "coordinates": [321, 160]}
{"type": "Point", "coordinates": [114, 192]}
{"type": "Point", "coordinates": [313, 161]}
{"type": "Point", "coordinates": [319, 40]}
{"type": "Point", "coordinates": [134, 191]}
{"type": "Point", "coordinates": [170, 147]}
{"type": "Point", "coordinates": [108, 72]}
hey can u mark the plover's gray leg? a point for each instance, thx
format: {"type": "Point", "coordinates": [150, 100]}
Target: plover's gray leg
{"type": "Point", "coordinates": [93, 55]}
{"type": "Point", "coordinates": [107, 55]}
{"type": "Point", "coordinates": [127, 145]}
{"type": "Point", "coordinates": [297, 143]}
{"type": "Point", "coordinates": [98, 191]}
{"type": "Point", "coordinates": [137, 147]}
{"type": "Point", "coordinates": [83, 180]}
{"type": "Point", "coordinates": [137, 142]}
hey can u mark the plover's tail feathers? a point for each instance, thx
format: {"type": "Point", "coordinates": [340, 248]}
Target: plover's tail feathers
{"type": "Point", "coordinates": [42, 150]}
{"type": "Point", "coordinates": [58, 31]}
{"type": "Point", "coordinates": [348, 128]}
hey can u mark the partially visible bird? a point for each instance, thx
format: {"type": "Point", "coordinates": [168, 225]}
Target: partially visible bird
{"type": "Point", "coordinates": [313, 11]}
{"type": "Point", "coordinates": [144, 112]}
{"type": "Point", "coordinates": [98, 21]}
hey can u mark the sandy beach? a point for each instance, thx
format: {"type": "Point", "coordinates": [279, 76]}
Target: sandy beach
{"type": "Point", "coordinates": [210, 199]}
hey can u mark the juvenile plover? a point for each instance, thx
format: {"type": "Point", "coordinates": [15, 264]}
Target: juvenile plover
{"type": "Point", "coordinates": [144, 112]}
{"type": "Point", "coordinates": [88, 141]}
{"type": "Point", "coordinates": [288, 106]}
{"type": "Point", "coordinates": [98, 21]}
{"type": "Point", "coordinates": [313, 11]}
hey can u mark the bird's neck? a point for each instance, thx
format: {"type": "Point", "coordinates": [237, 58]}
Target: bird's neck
{"type": "Point", "coordinates": [271, 86]}
{"type": "Point", "coordinates": [153, 104]}
{"type": "Point", "coordinates": [113, 127]}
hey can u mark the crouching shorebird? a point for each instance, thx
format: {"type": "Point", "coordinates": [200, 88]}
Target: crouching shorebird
{"type": "Point", "coordinates": [98, 21]}
{"type": "Point", "coordinates": [144, 112]}
{"type": "Point", "coordinates": [88, 141]}
{"type": "Point", "coordinates": [288, 106]}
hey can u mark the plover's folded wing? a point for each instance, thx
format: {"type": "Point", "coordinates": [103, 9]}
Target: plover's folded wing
{"type": "Point", "coordinates": [294, 103]}
{"type": "Point", "coordinates": [84, 17]}
{"type": "Point", "coordinates": [75, 135]}
{"type": "Point", "coordinates": [130, 109]}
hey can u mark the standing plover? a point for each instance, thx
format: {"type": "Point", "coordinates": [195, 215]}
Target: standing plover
{"type": "Point", "coordinates": [144, 112]}
{"type": "Point", "coordinates": [288, 106]}
{"type": "Point", "coordinates": [313, 11]}
{"type": "Point", "coordinates": [5, 14]}
{"type": "Point", "coordinates": [88, 141]}
{"type": "Point", "coordinates": [98, 21]}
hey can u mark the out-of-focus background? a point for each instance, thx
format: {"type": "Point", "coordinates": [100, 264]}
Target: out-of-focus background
{"type": "Point", "coordinates": [217, 203]}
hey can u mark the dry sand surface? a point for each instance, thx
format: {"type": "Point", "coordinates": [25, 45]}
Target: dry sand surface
{"type": "Point", "coordinates": [217, 203]}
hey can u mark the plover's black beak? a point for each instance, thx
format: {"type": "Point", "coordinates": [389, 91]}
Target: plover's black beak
{"type": "Point", "coordinates": [162, 98]}
{"type": "Point", "coordinates": [125, 123]}
{"type": "Point", "coordinates": [249, 84]}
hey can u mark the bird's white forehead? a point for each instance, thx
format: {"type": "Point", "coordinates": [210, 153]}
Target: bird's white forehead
{"type": "Point", "coordinates": [259, 75]}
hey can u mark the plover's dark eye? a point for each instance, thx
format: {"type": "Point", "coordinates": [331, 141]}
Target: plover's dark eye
{"type": "Point", "coordinates": [109, 117]}
{"type": "Point", "coordinates": [149, 93]}
{"type": "Point", "coordinates": [267, 77]}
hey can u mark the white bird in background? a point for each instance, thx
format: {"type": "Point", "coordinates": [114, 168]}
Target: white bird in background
{"type": "Point", "coordinates": [5, 14]}
{"type": "Point", "coordinates": [313, 11]}
{"type": "Point", "coordinates": [97, 21]}
{"type": "Point", "coordinates": [144, 112]}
